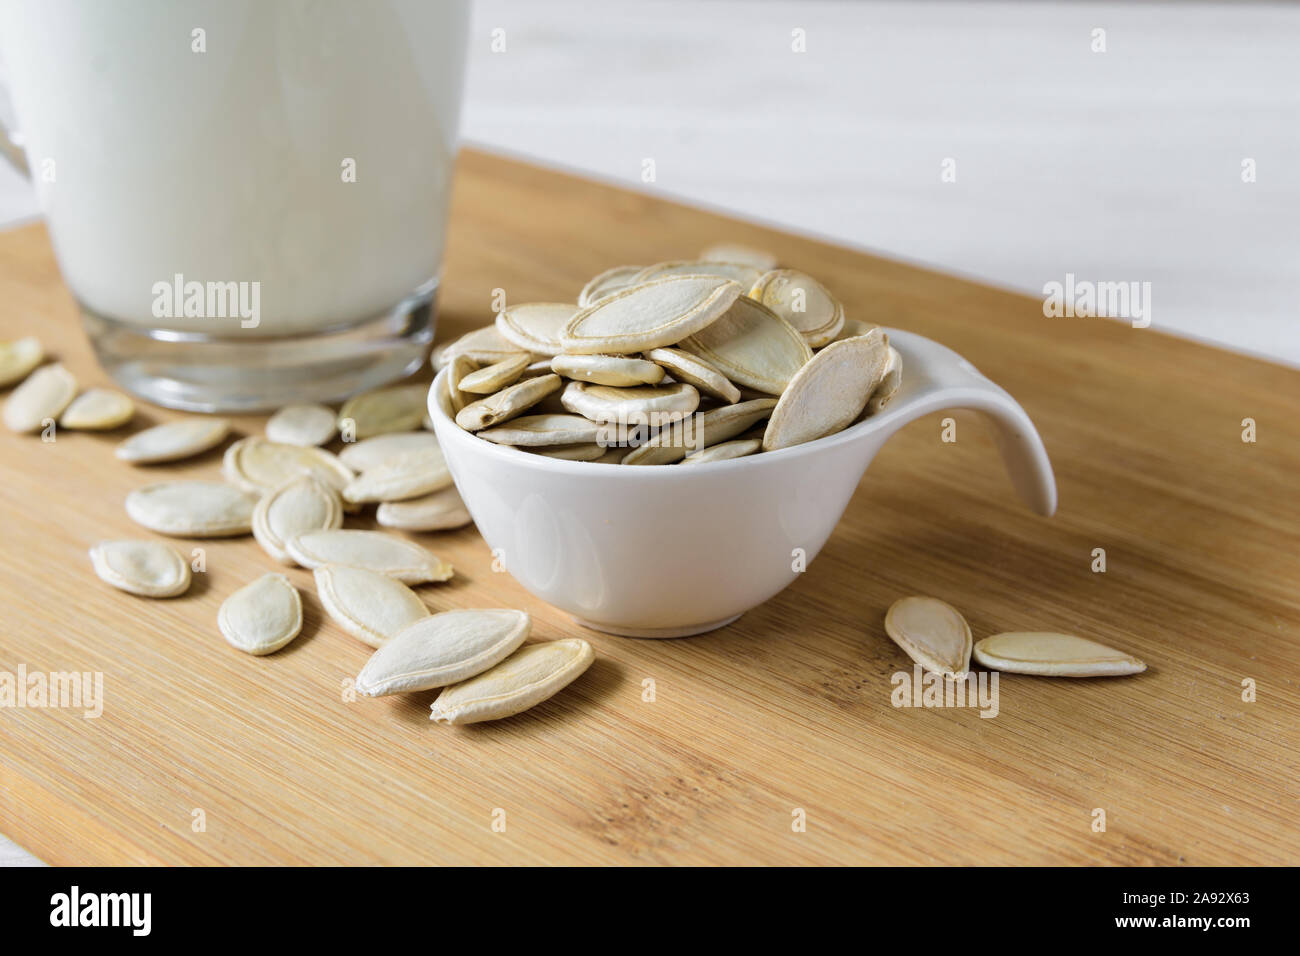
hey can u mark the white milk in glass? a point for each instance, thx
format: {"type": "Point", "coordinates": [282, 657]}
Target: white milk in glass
{"type": "Point", "coordinates": [300, 149]}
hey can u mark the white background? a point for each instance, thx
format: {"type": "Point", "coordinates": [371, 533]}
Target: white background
{"type": "Point", "coordinates": [1115, 166]}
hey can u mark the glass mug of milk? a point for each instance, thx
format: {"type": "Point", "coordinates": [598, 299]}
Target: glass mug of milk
{"type": "Point", "coordinates": [247, 198]}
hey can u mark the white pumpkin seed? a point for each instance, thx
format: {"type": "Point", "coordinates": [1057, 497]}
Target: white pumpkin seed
{"type": "Point", "coordinates": [370, 606]}
{"type": "Point", "coordinates": [803, 302]}
{"type": "Point", "coordinates": [302, 425]}
{"type": "Point", "coordinates": [889, 384]}
{"type": "Point", "coordinates": [535, 326]}
{"type": "Point", "coordinates": [18, 358]}
{"type": "Point", "coordinates": [148, 568]}
{"type": "Point", "coordinates": [550, 429]}
{"type": "Point", "coordinates": [710, 428]}
{"type": "Point", "coordinates": [495, 377]}
{"type": "Point", "coordinates": [570, 452]}
{"type": "Point", "coordinates": [375, 551]}
{"type": "Point", "coordinates": [460, 367]}
{"type": "Point", "coordinates": [302, 504]}
{"type": "Point", "coordinates": [173, 441]}
{"type": "Point", "coordinates": [725, 451]}
{"type": "Point", "coordinates": [607, 283]}
{"type": "Point", "coordinates": [647, 316]}
{"type": "Point", "coordinates": [853, 328]}
{"type": "Point", "coordinates": [617, 370]}
{"type": "Point", "coordinates": [933, 634]}
{"type": "Point", "coordinates": [398, 408]}
{"type": "Point", "coordinates": [364, 455]}
{"type": "Point", "coordinates": [192, 509]}
{"type": "Point", "coordinates": [693, 370]}
{"type": "Point", "coordinates": [262, 616]}
{"type": "Point", "coordinates": [260, 466]}
{"type": "Point", "coordinates": [539, 366]}
{"type": "Point", "coordinates": [829, 392]}
{"type": "Point", "coordinates": [744, 255]}
{"type": "Point", "coordinates": [635, 405]}
{"type": "Point", "coordinates": [527, 677]}
{"type": "Point", "coordinates": [41, 397]}
{"type": "Point", "coordinates": [99, 409]}
{"type": "Point", "coordinates": [1054, 655]}
{"type": "Point", "coordinates": [737, 272]}
{"type": "Point", "coordinates": [752, 346]}
{"type": "Point", "coordinates": [408, 475]}
{"type": "Point", "coordinates": [441, 511]}
{"type": "Point", "coordinates": [443, 649]}
{"type": "Point", "coordinates": [482, 346]}
{"type": "Point", "coordinates": [506, 404]}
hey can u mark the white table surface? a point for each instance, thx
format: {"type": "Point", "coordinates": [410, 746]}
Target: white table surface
{"type": "Point", "coordinates": [1115, 166]}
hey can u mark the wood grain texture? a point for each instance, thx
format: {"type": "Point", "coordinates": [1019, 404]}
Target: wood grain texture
{"type": "Point", "coordinates": [789, 707]}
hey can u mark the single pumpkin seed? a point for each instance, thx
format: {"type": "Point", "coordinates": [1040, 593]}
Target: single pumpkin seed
{"type": "Point", "coordinates": [398, 408]}
{"type": "Point", "coordinates": [853, 328]}
{"type": "Point", "coordinates": [527, 677]}
{"type": "Point", "coordinates": [301, 504]}
{"type": "Point", "coordinates": [725, 451]}
{"type": "Point", "coordinates": [262, 616]}
{"type": "Point", "coordinates": [260, 466]}
{"type": "Point", "coordinates": [889, 384]}
{"type": "Point", "coordinates": [617, 370]}
{"type": "Point", "coordinates": [709, 428]}
{"type": "Point", "coordinates": [305, 425]}
{"type": "Point", "coordinates": [42, 397]}
{"type": "Point", "coordinates": [933, 634]}
{"type": "Point", "coordinates": [483, 346]}
{"type": "Point", "coordinates": [371, 550]}
{"type": "Point", "coordinates": [685, 367]}
{"type": "Point", "coordinates": [370, 606]}
{"type": "Point", "coordinates": [441, 511]}
{"type": "Point", "coordinates": [192, 509]}
{"type": "Point", "coordinates": [752, 346]}
{"type": "Point", "coordinates": [495, 377]}
{"type": "Point", "coordinates": [508, 403]}
{"type": "Point", "coordinates": [607, 283]}
{"type": "Point", "coordinates": [1054, 655]}
{"type": "Point", "coordinates": [539, 366]}
{"type": "Point", "coordinates": [364, 455]}
{"type": "Point", "coordinates": [443, 649]}
{"type": "Point", "coordinates": [550, 429]}
{"type": "Point", "coordinates": [535, 326]}
{"type": "Point", "coordinates": [18, 358]}
{"type": "Point", "coordinates": [738, 272]}
{"type": "Point", "coordinates": [647, 316]}
{"type": "Point", "coordinates": [172, 441]}
{"type": "Point", "coordinates": [829, 392]}
{"type": "Point", "coordinates": [579, 452]}
{"type": "Point", "coordinates": [148, 568]}
{"type": "Point", "coordinates": [408, 475]}
{"type": "Point", "coordinates": [460, 367]}
{"type": "Point", "coordinates": [99, 409]}
{"type": "Point", "coordinates": [803, 302]}
{"type": "Point", "coordinates": [635, 405]}
{"type": "Point", "coordinates": [741, 254]}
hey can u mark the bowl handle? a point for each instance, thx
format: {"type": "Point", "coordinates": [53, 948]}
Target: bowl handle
{"type": "Point", "coordinates": [936, 378]}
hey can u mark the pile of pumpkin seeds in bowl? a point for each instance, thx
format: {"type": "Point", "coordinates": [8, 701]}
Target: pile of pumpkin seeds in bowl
{"type": "Point", "coordinates": [294, 497]}
{"type": "Point", "coordinates": [681, 362]}
{"type": "Point", "coordinates": [685, 362]}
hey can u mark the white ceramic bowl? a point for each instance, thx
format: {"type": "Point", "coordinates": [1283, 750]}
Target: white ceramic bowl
{"type": "Point", "coordinates": [672, 550]}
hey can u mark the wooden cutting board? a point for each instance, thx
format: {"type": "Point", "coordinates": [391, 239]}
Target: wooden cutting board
{"type": "Point", "coordinates": [785, 715]}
